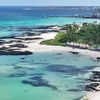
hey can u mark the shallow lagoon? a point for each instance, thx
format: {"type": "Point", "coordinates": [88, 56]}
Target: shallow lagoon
{"type": "Point", "coordinates": [52, 76]}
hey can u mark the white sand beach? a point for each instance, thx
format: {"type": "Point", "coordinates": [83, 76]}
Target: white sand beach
{"type": "Point", "coordinates": [92, 96]}
{"type": "Point", "coordinates": [95, 96]}
{"type": "Point", "coordinates": [34, 46]}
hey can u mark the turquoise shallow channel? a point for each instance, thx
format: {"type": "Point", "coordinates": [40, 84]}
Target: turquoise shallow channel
{"type": "Point", "coordinates": [43, 76]}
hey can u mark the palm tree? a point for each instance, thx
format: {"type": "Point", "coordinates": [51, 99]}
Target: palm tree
{"type": "Point", "coordinates": [68, 28]}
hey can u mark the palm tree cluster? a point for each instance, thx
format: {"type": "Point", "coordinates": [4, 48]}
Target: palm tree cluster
{"type": "Point", "coordinates": [87, 34]}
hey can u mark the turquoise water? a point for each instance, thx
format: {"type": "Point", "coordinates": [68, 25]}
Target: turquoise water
{"type": "Point", "coordinates": [38, 21]}
{"type": "Point", "coordinates": [41, 76]}
{"type": "Point", "coordinates": [9, 27]}
{"type": "Point", "coordinates": [69, 84]}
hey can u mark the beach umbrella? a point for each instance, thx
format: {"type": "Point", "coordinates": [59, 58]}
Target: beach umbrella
{"type": "Point", "coordinates": [87, 45]}
{"type": "Point", "coordinates": [78, 44]}
{"type": "Point", "coordinates": [75, 44]}
{"type": "Point", "coordinates": [72, 43]}
{"type": "Point", "coordinates": [81, 45]}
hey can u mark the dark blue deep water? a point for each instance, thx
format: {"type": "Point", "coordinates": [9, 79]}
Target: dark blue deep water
{"type": "Point", "coordinates": [20, 12]}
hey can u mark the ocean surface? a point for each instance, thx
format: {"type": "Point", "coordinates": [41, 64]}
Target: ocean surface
{"type": "Point", "coordinates": [11, 18]}
{"type": "Point", "coordinates": [42, 76]}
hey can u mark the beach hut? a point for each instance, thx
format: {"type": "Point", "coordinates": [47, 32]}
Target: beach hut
{"type": "Point", "coordinates": [68, 43]}
{"type": "Point", "coordinates": [87, 46]}
{"type": "Point", "coordinates": [78, 44]}
{"type": "Point", "coordinates": [71, 43]}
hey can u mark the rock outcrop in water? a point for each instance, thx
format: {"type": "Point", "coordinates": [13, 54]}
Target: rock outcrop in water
{"type": "Point", "coordinates": [12, 52]}
{"type": "Point", "coordinates": [94, 82]}
{"type": "Point", "coordinates": [14, 49]}
{"type": "Point", "coordinates": [98, 58]}
{"type": "Point", "coordinates": [18, 45]}
{"type": "Point", "coordinates": [35, 38]}
{"type": "Point", "coordinates": [73, 52]}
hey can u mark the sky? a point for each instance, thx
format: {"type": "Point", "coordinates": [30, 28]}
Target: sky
{"type": "Point", "coordinates": [50, 2]}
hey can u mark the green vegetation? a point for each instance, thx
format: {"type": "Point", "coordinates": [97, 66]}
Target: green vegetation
{"type": "Point", "coordinates": [87, 34]}
{"type": "Point", "coordinates": [90, 34]}
{"type": "Point", "coordinates": [52, 42]}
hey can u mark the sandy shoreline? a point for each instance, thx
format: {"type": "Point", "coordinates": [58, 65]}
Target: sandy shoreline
{"type": "Point", "coordinates": [92, 96]}
{"type": "Point", "coordinates": [34, 46]}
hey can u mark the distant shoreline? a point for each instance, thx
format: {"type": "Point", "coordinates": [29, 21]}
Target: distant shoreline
{"type": "Point", "coordinates": [86, 17]}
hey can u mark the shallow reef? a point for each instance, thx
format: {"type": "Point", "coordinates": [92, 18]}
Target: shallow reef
{"type": "Point", "coordinates": [38, 81]}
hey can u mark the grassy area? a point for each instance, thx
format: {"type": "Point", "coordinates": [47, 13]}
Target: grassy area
{"type": "Point", "coordinates": [52, 42]}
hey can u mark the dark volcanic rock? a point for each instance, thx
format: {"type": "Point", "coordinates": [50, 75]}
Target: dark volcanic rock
{"type": "Point", "coordinates": [96, 74]}
{"type": "Point", "coordinates": [22, 58]}
{"type": "Point", "coordinates": [94, 82]}
{"type": "Point", "coordinates": [73, 52]}
{"type": "Point", "coordinates": [4, 48]}
{"type": "Point", "coordinates": [19, 45]}
{"type": "Point", "coordinates": [38, 81]}
{"type": "Point", "coordinates": [46, 31]}
{"type": "Point", "coordinates": [4, 42]}
{"type": "Point", "coordinates": [13, 49]}
{"type": "Point", "coordinates": [7, 37]}
{"type": "Point", "coordinates": [98, 58]}
{"type": "Point", "coordinates": [95, 49]}
{"type": "Point", "coordinates": [11, 41]}
{"type": "Point", "coordinates": [91, 87]}
{"type": "Point", "coordinates": [92, 79]}
{"type": "Point", "coordinates": [35, 38]}
{"type": "Point", "coordinates": [28, 34]}
{"type": "Point", "coordinates": [12, 52]}
{"type": "Point", "coordinates": [25, 28]}
{"type": "Point", "coordinates": [45, 27]}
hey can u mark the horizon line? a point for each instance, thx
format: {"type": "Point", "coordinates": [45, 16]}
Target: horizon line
{"type": "Point", "coordinates": [54, 5]}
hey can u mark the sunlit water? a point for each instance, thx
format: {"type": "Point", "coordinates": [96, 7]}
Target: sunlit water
{"type": "Point", "coordinates": [69, 84]}
{"type": "Point", "coordinates": [41, 76]}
